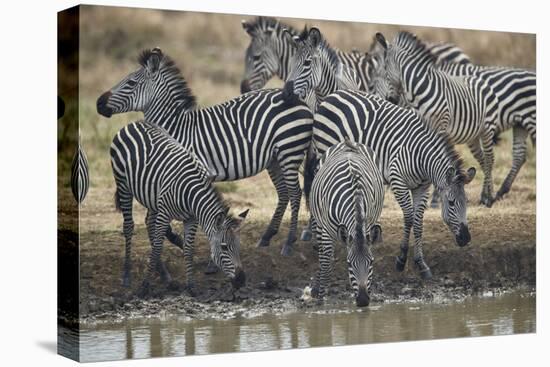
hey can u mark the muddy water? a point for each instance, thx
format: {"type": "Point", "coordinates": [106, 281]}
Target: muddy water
{"type": "Point", "coordinates": [475, 316]}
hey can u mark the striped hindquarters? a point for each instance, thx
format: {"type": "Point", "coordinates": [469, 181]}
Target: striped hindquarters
{"type": "Point", "coordinates": [80, 177]}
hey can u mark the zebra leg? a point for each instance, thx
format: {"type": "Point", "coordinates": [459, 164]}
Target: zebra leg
{"type": "Point", "coordinates": [150, 221]}
{"type": "Point", "coordinates": [161, 224]}
{"type": "Point", "coordinates": [488, 160]}
{"type": "Point", "coordinates": [309, 173]}
{"type": "Point", "coordinates": [190, 228]}
{"type": "Point", "coordinates": [278, 180]}
{"type": "Point", "coordinates": [519, 150]}
{"type": "Point", "coordinates": [420, 201]}
{"type": "Point", "coordinates": [295, 193]}
{"type": "Point", "coordinates": [307, 232]}
{"type": "Point", "coordinates": [326, 255]}
{"type": "Point", "coordinates": [403, 197]}
{"type": "Point", "coordinates": [435, 199]}
{"type": "Point", "coordinates": [125, 205]}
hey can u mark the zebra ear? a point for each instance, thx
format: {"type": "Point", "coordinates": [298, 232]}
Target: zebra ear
{"type": "Point", "coordinates": [220, 218]}
{"type": "Point", "coordinates": [381, 40]}
{"type": "Point", "coordinates": [153, 62]}
{"type": "Point", "coordinates": [288, 36]}
{"type": "Point", "coordinates": [239, 221]}
{"type": "Point", "coordinates": [470, 174]}
{"type": "Point", "coordinates": [375, 234]}
{"type": "Point", "coordinates": [315, 36]}
{"type": "Point", "coordinates": [450, 175]}
{"type": "Point", "coordinates": [247, 27]}
{"type": "Point", "coordinates": [342, 233]}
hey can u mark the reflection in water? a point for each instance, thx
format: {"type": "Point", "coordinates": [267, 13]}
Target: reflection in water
{"type": "Point", "coordinates": [507, 314]}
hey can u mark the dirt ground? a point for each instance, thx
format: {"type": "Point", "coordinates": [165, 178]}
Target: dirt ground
{"type": "Point", "coordinates": [501, 255]}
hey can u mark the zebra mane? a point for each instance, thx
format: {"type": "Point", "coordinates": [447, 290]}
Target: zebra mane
{"type": "Point", "coordinates": [359, 219]}
{"type": "Point", "coordinates": [410, 42]}
{"type": "Point", "coordinates": [450, 151]}
{"type": "Point", "coordinates": [168, 67]}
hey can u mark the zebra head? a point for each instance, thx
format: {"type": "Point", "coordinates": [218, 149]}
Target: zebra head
{"type": "Point", "coordinates": [359, 254]}
{"type": "Point", "coordinates": [453, 199]}
{"type": "Point", "coordinates": [262, 60]}
{"type": "Point", "coordinates": [306, 69]}
{"type": "Point", "coordinates": [387, 80]}
{"type": "Point", "coordinates": [225, 246]}
{"type": "Point", "coordinates": [154, 87]}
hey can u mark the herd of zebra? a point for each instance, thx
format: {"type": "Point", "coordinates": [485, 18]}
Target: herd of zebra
{"type": "Point", "coordinates": [355, 121]}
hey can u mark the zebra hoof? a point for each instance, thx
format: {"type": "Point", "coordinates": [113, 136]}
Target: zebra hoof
{"type": "Point", "coordinates": [211, 268]}
{"type": "Point", "coordinates": [263, 243]}
{"type": "Point", "coordinates": [286, 250]}
{"type": "Point", "coordinates": [426, 274]}
{"type": "Point", "coordinates": [144, 290]}
{"type": "Point", "coordinates": [306, 235]}
{"type": "Point", "coordinates": [174, 285]}
{"type": "Point", "coordinates": [191, 289]}
{"type": "Point", "coordinates": [399, 264]}
{"type": "Point", "coordinates": [486, 201]}
{"type": "Point", "coordinates": [126, 282]}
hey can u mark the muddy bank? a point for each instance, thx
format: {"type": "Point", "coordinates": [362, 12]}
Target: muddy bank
{"type": "Point", "coordinates": [275, 284]}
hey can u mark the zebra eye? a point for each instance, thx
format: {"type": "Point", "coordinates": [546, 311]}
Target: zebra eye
{"type": "Point", "coordinates": [452, 203]}
{"type": "Point", "coordinates": [256, 57]}
{"type": "Point", "coordinates": [307, 62]}
{"type": "Point", "coordinates": [224, 247]}
{"type": "Point", "coordinates": [131, 83]}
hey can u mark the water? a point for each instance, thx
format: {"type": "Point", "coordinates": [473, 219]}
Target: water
{"type": "Point", "coordinates": [477, 316]}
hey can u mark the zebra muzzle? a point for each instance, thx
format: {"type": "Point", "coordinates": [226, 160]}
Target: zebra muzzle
{"type": "Point", "coordinates": [463, 237]}
{"type": "Point", "coordinates": [245, 86]}
{"type": "Point", "coordinates": [102, 105]}
{"type": "Point", "coordinates": [239, 280]}
{"type": "Point", "coordinates": [362, 299]}
{"type": "Point", "coordinates": [288, 92]}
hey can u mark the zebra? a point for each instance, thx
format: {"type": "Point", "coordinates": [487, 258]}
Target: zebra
{"type": "Point", "coordinates": [236, 139]}
{"type": "Point", "coordinates": [411, 157]}
{"type": "Point", "coordinates": [316, 70]}
{"type": "Point", "coordinates": [516, 94]}
{"type": "Point", "coordinates": [80, 177]}
{"type": "Point", "coordinates": [270, 54]}
{"type": "Point", "coordinates": [169, 180]}
{"type": "Point", "coordinates": [464, 108]}
{"type": "Point", "coordinates": [347, 196]}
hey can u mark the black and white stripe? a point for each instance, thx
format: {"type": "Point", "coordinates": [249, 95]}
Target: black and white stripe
{"type": "Point", "coordinates": [236, 139]}
{"type": "Point", "coordinates": [150, 166]}
{"type": "Point", "coordinates": [270, 54]}
{"type": "Point", "coordinates": [346, 200]}
{"type": "Point", "coordinates": [411, 157]}
{"type": "Point", "coordinates": [463, 108]}
{"type": "Point", "coordinates": [80, 177]}
{"type": "Point", "coordinates": [316, 70]}
{"type": "Point", "coordinates": [516, 93]}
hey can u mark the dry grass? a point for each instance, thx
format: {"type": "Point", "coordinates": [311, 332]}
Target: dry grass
{"type": "Point", "coordinates": [209, 48]}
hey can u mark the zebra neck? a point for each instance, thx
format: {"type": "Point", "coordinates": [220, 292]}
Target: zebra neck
{"type": "Point", "coordinates": [328, 83]}
{"type": "Point", "coordinates": [164, 108]}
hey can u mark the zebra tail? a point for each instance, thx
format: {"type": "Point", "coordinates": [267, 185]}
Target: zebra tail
{"type": "Point", "coordinates": [117, 201]}
{"type": "Point", "coordinates": [309, 172]}
{"type": "Point", "coordinates": [359, 219]}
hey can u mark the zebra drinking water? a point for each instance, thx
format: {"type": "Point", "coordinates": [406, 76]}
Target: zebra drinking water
{"type": "Point", "coordinates": [411, 157]}
{"type": "Point", "coordinates": [150, 166]}
{"type": "Point", "coordinates": [463, 108]}
{"type": "Point", "coordinates": [236, 139]}
{"type": "Point", "coordinates": [347, 196]}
